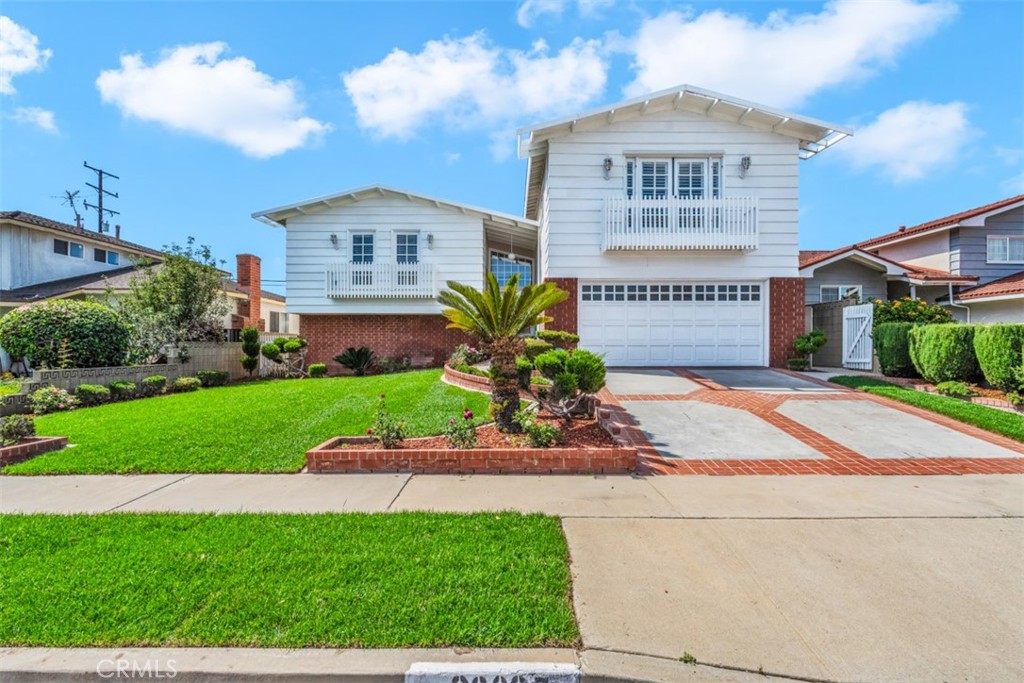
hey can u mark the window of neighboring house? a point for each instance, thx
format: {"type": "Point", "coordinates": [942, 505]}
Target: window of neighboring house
{"type": "Point", "coordinates": [407, 247]}
{"type": "Point", "coordinates": [692, 178]}
{"type": "Point", "coordinates": [66, 248]}
{"type": "Point", "coordinates": [839, 292]}
{"type": "Point", "coordinates": [275, 322]}
{"type": "Point", "coordinates": [362, 247]}
{"type": "Point", "coordinates": [105, 256]}
{"type": "Point", "coordinates": [503, 268]}
{"type": "Point", "coordinates": [1005, 249]}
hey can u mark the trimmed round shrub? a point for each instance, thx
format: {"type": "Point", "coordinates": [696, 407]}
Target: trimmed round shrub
{"type": "Point", "coordinates": [589, 369]}
{"type": "Point", "coordinates": [250, 363]}
{"type": "Point", "coordinates": [153, 385]}
{"type": "Point", "coordinates": [892, 344]}
{"type": "Point", "coordinates": [998, 348]}
{"type": "Point", "coordinates": [535, 347]}
{"type": "Point", "coordinates": [92, 394]}
{"type": "Point", "coordinates": [551, 363]}
{"type": "Point", "coordinates": [122, 391]}
{"type": "Point", "coordinates": [186, 384]}
{"type": "Point", "coordinates": [52, 400]}
{"type": "Point", "coordinates": [66, 333]}
{"type": "Point", "coordinates": [317, 369]}
{"type": "Point", "coordinates": [292, 345]}
{"type": "Point", "coordinates": [944, 352]}
{"type": "Point", "coordinates": [271, 352]}
{"type": "Point", "coordinates": [14, 428]}
{"type": "Point", "coordinates": [559, 338]}
{"type": "Point", "coordinates": [213, 378]}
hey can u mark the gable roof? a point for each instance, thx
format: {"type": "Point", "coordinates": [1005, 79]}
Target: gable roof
{"type": "Point", "coordinates": [277, 216]}
{"type": "Point", "coordinates": [1011, 286]}
{"type": "Point", "coordinates": [810, 260]}
{"type": "Point", "coordinates": [56, 226]}
{"type": "Point", "coordinates": [813, 135]}
{"type": "Point", "coordinates": [970, 216]}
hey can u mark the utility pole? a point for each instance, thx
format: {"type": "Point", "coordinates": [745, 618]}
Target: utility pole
{"type": "Point", "coordinates": [100, 192]}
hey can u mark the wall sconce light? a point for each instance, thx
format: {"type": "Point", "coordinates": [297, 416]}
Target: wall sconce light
{"type": "Point", "coordinates": [334, 240]}
{"type": "Point", "coordinates": [430, 240]}
{"type": "Point", "coordinates": [607, 167]}
{"type": "Point", "coordinates": [744, 166]}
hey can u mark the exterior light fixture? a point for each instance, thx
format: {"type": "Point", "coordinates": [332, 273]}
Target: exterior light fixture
{"type": "Point", "coordinates": [744, 166]}
{"type": "Point", "coordinates": [430, 240]}
{"type": "Point", "coordinates": [607, 167]}
{"type": "Point", "coordinates": [334, 240]}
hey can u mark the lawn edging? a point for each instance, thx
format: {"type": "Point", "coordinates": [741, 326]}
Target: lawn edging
{"type": "Point", "coordinates": [30, 447]}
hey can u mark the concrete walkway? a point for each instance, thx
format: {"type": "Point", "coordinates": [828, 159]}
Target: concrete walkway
{"type": "Point", "coordinates": [815, 577]}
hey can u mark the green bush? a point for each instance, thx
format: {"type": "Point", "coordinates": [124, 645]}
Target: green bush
{"type": "Point", "coordinates": [559, 338]}
{"type": "Point", "coordinates": [589, 369]}
{"type": "Point", "coordinates": [809, 343]}
{"type": "Point", "coordinates": [387, 429]}
{"type": "Point", "coordinates": [944, 352]}
{"type": "Point", "coordinates": [66, 333]}
{"type": "Point", "coordinates": [213, 378]}
{"type": "Point", "coordinates": [551, 363]}
{"type": "Point", "coordinates": [92, 394]}
{"type": "Point", "coordinates": [471, 370]}
{"type": "Point", "coordinates": [998, 349]}
{"type": "Point", "coordinates": [955, 389]}
{"type": "Point", "coordinates": [52, 400]}
{"type": "Point", "coordinates": [153, 385]}
{"type": "Point", "coordinates": [539, 434]}
{"type": "Point", "coordinates": [359, 361]}
{"type": "Point", "coordinates": [251, 349]}
{"type": "Point", "coordinates": [14, 428]}
{"type": "Point", "coordinates": [389, 366]}
{"type": "Point", "coordinates": [524, 371]}
{"type": "Point", "coordinates": [122, 391]}
{"type": "Point", "coordinates": [535, 347]}
{"type": "Point", "coordinates": [250, 363]}
{"type": "Point", "coordinates": [317, 370]}
{"type": "Point", "coordinates": [292, 345]}
{"type": "Point", "coordinates": [186, 384]}
{"type": "Point", "coordinates": [907, 310]}
{"type": "Point", "coordinates": [892, 344]}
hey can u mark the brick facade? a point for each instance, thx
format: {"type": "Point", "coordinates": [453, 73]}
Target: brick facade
{"type": "Point", "coordinates": [786, 319]}
{"type": "Point", "coordinates": [424, 339]}
{"type": "Point", "coordinates": [565, 314]}
{"type": "Point", "coordinates": [248, 269]}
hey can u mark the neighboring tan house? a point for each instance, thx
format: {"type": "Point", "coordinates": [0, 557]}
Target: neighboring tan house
{"type": "Point", "coordinates": [43, 259]}
{"type": "Point", "coordinates": [975, 256]}
{"type": "Point", "coordinates": [670, 219]}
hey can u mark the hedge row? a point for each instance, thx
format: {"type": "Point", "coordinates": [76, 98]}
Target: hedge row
{"type": "Point", "coordinates": [952, 352]}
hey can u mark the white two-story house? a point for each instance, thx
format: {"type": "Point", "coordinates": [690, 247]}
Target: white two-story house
{"type": "Point", "coordinates": [670, 219]}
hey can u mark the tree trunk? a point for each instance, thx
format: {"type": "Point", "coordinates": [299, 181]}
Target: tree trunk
{"type": "Point", "coordinates": [504, 391]}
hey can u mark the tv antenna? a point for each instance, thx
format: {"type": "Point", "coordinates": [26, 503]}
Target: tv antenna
{"type": "Point", "coordinates": [70, 198]}
{"type": "Point", "coordinates": [100, 193]}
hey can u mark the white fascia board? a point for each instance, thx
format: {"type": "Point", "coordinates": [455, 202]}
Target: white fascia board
{"type": "Point", "coordinates": [890, 269]}
{"type": "Point", "coordinates": [987, 299]}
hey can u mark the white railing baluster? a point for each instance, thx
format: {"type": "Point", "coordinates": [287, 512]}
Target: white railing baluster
{"type": "Point", "coordinates": [379, 280]}
{"type": "Point", "coordinates": [634, 223]}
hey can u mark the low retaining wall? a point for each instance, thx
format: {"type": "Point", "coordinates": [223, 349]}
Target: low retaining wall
{"type": "Point", "coordinates": [331, 457]}
{"type": "Point", "coordinates": [69, 379]}
{"type": "Point", "coordinates": [467, 381]}
{"type": "Point", "coordinates": [31, 447]}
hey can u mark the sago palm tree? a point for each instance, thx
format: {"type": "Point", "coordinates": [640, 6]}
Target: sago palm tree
{"type": "Point", "coordinates": [497, 316]}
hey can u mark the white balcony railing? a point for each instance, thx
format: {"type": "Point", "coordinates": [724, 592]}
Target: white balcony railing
{"type": "Point", "coordinates": [380, 280]}
{"type": "Point", "coordinates": [680, 223]}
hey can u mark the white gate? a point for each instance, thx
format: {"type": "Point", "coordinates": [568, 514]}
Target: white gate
{"type": "Point", "coordinates": [857, 345]}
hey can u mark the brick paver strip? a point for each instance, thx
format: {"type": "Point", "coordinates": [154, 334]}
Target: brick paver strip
{"type": "Point", "coordinates": [838, 459]}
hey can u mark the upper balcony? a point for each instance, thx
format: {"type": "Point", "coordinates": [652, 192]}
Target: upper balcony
{"type": "Point", "coordinates": [380, 280]}
{"type": "Point", "coordinates": [679, 223]}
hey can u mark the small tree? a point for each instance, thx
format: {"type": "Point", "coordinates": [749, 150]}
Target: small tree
{"type": "Point", "coordinates": [251, 349]}
{"type": "Point", "coordinates": [805, 346]}
{"type": "Point", "coordinates": [290, 354]}
{"type": "Point", "coordinates": [575, 377]}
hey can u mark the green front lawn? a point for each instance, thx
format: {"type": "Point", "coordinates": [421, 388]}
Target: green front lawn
{"type": "Point", "coordinates": [354, 580]}
{"type": "Point", "coordinates": [992, 419]}
{"type": "Point", "coordinates": [250, 427]}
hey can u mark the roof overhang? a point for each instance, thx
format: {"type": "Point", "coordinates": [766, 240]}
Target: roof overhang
{"type": "Point", "coordinates": [860, 257]}
{"type": "Point", "coordinates": [1012, 296]}
{"type": "Point", "coordinates": [975, 221]}
{"type": "Point", "coordinates": [278, 216]}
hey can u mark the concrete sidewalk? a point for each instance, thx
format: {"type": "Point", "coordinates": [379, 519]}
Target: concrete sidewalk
{"type": "Point", "coordinates": [813, 577]}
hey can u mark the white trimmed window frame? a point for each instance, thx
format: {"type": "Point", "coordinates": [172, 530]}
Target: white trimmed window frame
{"type": "Point", "coordinates": [713, 166]}
{"type": "Point", "coordinates": [361, 232]}
{"type": "Point", "coordinates": [842, 292]}
{"type": "Point", "coordinates": [1007, 241]}
{"type": "Point", "coordinates": [407, 233]}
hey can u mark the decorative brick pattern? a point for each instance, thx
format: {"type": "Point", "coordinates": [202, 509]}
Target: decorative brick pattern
{"type": "Point", "coordinates": [425, 339]}
{"type": "Point", "coordinates": [31, 447]}
{"type": "Point", "coordinates": [248, 267]}
{"type": "Point", "coordinates": [565, 314]}
{"type": "Point", "coordinates": [328, 457]}
{"type": "Point", "coordinates": [786, 319]}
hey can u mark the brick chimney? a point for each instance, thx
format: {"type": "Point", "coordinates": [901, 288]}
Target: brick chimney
{"type": "Point", "coordinates": [249, 280]}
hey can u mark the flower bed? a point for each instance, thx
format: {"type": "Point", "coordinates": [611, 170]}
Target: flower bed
{"type": "Point", "coordinates": [30, 447]}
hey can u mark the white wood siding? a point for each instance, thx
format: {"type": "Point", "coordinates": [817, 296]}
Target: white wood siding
{"type": "Point", "coordinates": [571, 211]}
{"type": "Point", "coordinates": [27, 258]}
{"type": "Point", "coordinates": [456, 254]}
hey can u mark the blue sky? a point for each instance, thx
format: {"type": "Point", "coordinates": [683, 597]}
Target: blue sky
{"type": "Point", "coordinates": [210, 111]}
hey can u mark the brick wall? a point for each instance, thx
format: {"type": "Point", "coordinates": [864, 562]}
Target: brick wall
{"type": "Point", "coordinates": [565, 314]}
{"type": "Point", "coordinates": [786, 319]}
{"type": "Point", "coordinates": [248, 268]}
{"type": "Point", "coordinates": [423, 338]}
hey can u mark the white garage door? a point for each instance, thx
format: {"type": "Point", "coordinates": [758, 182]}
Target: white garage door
{"type": "Point", "coordinates": [685, 323]}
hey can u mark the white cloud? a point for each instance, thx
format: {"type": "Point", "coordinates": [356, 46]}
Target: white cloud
{"type": "Point", "coordinates": [530, 10]}
{"type": "Point", "coordinates": [36, 116]}
{"type": "Point", "coordinates": [19, 53]}
{"type": "Point", "coordinates": [193, 89]}
{"type": "Point", "coordinates": [1014, 185]}
{"type": "Point", "coordinates": [909, 141]}
{"type": "Point", "coordinates": [452, 157]}
{"type": "Point", "coordinates": [470, 83]}
{"type": "Point", "coordinates": [785, 59]}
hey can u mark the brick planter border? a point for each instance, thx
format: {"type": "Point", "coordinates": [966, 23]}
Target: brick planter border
{"type": "Point", "coordinates": [474, 382]}
{"type": "Point", "coordinates": [31, 447]}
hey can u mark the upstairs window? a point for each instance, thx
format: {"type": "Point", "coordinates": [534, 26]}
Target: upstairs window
{"type": "Point", "coordinates": [68, 248]}
{"type": "Point", "coordinates": [407, 247]}
{"type": "Point", "coordinates": [690, 178]}
{"type": "Point", "coordinates": [1005, 249]}
{"type": "Point", "coordinates": [362, 247]}
{"type": "Point", "coordinates": [106, 256]}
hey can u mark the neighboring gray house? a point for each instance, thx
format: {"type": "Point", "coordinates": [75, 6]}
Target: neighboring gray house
{"type": "Point", "coordinates": [975, 256]}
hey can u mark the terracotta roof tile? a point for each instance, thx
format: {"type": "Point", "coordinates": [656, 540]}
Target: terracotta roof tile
{"type": "Point", "coordinates": [1011, 284]}
{"type": "Point", "coordinates": [940, 222]}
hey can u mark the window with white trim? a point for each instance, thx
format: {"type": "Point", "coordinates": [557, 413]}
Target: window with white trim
{"type": "Point", "coordinates": [362, 247]}
{"type": "Point", "coordinates": [839, 292]}
{"type": "Point", "coordinates": [407, 247]}
{"type": "Point", "coordinates": [687, 177]}
{"type": "Point", "coordinates": [1005, 249]}
{"type": "Point", "coordinates": [504, 267]}
{"type": "Point", "coordinates": [658, 292]}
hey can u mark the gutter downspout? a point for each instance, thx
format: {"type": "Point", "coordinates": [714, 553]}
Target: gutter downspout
{"type": "Point", "coordinates": [956, 305]}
